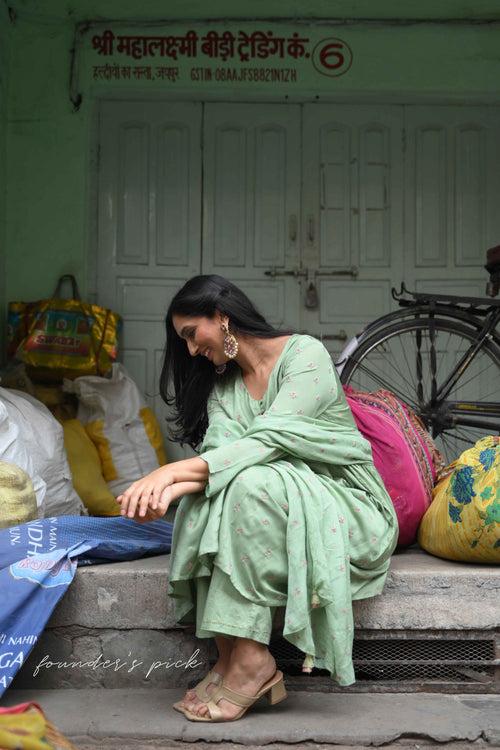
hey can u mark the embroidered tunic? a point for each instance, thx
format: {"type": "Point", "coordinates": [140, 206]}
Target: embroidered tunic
{"type": "Point", "coordinates": [305, 470]}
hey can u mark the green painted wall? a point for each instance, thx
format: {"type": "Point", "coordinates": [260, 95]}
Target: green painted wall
{"type": "Point", "coordinates": [4, 78]}
{"type": "Point", "coordinates": [48, 209]}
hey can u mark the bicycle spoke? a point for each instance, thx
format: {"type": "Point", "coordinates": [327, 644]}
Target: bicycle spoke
{"type": "Point", "coordinates": [383, 383]}
{"type": "Point", "coordinates": [396, 370]}
{"type": "Point", "coordinates": [474, 377]}
{"type": "Point", "coordinates": [409, 368]}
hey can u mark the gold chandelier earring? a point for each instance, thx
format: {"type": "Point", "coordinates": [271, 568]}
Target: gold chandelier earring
{"type": "Point", "coordinates": [230, 345]}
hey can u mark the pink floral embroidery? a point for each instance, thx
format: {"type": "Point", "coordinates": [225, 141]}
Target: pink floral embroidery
{"type": "Point", "coordinates": [333, 529]}
{"type": "Point", "coordinates": [265, 522]}
{"type": "Point", "coordinates": [357, 509]}
{"type": "Point", "coordinates": [227, 462]}
{"type": "Point", "coordinates": [226, 434]}
{"type": "Point", "coordinates": [268, 552]}
{"type": "Point", "coordinates": [293, 394]}
{"type": "Point", "coordinates": [284, 506]}
{"type": "Point", "coordinates": [297, 592]}
{"type": "Point", "coordinates": [374, 539]}
{"type": "Point", "coordinates": [237, 507]}
{"type": "Point", "coordinates": [351, 533]}
{"type": "Point", "coordinates": [244, 558]}
{"type": "Point", "coordinates": [295, 523]}
{"type": "Point", "coordinates": [341, 568]}
{"type": "Point", "coordinates": [316, 380]}
{"type": "Point", "coordinates": [239, 530]}
{"type": "Point", "coordinates": [341, 519]}
{"type": "Point", "coordinates": [317, 398]}
{"type": "Point", "coordinates": [300, 411]}
{"type": "Point", "coordinates": [190, 523]}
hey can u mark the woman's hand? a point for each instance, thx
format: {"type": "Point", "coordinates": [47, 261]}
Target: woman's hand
{"type": "Point", "coordinates": [150, 494]}
{"type": "Point", "coordinates": [163, 505]}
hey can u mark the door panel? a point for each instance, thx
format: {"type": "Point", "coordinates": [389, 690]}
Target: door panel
{"type": "Point", "coordinates": [149, 226]}
{"type": "Point", "coordinates": [251, 202]}
{"type": "Point", "coordinates": [353, 208]}
{"type": "Point", "coordinates": [452, 196]}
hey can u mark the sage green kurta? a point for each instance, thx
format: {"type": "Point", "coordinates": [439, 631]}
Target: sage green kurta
{"type": "Point", "coordinates": [294, 512]}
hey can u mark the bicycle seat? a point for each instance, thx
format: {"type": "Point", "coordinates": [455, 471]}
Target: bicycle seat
{"type": "Point", "coordinates": [493, 259]}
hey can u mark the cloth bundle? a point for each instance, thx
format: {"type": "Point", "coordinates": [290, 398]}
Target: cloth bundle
{"type": "Point", "coordinates": [403, 453]}
{"type": "Point", "coordinates": [463, 521]}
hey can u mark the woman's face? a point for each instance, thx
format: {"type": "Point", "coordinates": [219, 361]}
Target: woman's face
{"type": "Point", "coordinates": [204, 336]}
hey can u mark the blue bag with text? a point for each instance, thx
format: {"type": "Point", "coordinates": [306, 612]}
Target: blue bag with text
{"type": "Point", "coordinates": [38, 561]}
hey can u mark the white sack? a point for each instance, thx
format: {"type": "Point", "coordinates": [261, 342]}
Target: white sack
{"type": "Point", "coordinates": [115, 415]}
{"type": "Point", "coordinates": [40, 435]}
{"type": "Point", "coordinates": [14, 450]}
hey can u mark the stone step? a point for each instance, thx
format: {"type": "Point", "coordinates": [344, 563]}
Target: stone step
{"type": "Point", "coordinates": [121, 718]}
{"type": "Point", "coordinates": [115, 627]}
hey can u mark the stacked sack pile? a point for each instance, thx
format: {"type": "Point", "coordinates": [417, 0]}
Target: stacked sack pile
{"type": "Point", "coordinates": [75, 430]}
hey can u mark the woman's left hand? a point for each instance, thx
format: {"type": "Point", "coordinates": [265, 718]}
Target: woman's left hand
{"type": "Point", "coordinates": [145, 493]}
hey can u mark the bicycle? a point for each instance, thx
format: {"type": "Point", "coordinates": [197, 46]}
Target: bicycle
{"type": "Point", "coordinates": [440, 354]}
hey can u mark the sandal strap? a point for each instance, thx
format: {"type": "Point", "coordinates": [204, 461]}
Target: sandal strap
{"type": "Point", "coordinates": [210, 678]}
{"type": "Point", "coordinates": [239, 699]}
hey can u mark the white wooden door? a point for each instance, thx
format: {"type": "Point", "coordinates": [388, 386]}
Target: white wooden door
{"type": "Point", "coordinates": [251, 203]}
{"type": "Point", "coordinates": [304, 192]}
{"type": "Point", "coordinates": [452, 196]}
{"type": "Point", "coordinates": [352, 215]}
{"type": "Point", "coordinates": [149, 226]}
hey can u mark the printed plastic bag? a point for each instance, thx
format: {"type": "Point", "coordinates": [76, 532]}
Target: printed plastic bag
{"type": "Point", "coordinates": [124, 430]}
{"type": "Point", "coordinates": [63, 337]}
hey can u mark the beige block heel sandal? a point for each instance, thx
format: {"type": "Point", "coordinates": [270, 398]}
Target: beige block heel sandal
{"type": "Point", "coordinates": [274, 690]}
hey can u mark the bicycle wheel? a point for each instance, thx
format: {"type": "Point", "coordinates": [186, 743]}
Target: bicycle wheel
{"type": "Point", "coordinates": [402, 359]}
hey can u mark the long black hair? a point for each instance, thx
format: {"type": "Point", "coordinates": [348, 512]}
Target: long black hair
{"type": "Point", "coordinates": [194, 377]}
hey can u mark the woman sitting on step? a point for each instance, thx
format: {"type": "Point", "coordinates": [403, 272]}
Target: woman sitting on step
{"type": "Point", "coordinates": [282, 506]}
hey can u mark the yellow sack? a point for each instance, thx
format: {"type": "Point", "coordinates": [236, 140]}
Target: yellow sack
{"type": "Point", "coordinates": [86, 470]}
{"type": "Point", "coordinates": [463, 520]}
{"type": "Point", "coordinates": [62, 337]}
{"type": "Point", "coordinates": [17, 496]}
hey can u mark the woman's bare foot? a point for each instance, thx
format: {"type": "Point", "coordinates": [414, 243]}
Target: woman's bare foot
{"type": "Point", "coordinates": [250, 667]}
{"type": "Point", "coordinates": [224, 647]}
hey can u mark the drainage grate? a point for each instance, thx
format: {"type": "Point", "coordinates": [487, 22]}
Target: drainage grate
{"type": "Point", "coordinates": [411, 662]}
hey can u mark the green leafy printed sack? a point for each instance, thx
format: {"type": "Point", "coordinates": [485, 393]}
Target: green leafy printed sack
{"type": "Point", "coordinates": [463, 520]}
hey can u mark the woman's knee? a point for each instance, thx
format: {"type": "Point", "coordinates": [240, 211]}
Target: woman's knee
{"type": "Point", "coordinates": [253, 479]}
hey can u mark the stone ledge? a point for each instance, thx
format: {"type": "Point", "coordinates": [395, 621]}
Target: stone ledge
{"type": "Point", "coordinates": [422, 592]}
{"type": "Point", "coordinates": [335, 719]}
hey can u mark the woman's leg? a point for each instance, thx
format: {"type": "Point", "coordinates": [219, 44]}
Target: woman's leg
{"type": "Point", "coordinates": [251, 665]}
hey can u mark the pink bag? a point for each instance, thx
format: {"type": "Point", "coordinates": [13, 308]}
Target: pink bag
{"type": "Point", "coordinates": [403, 453]}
